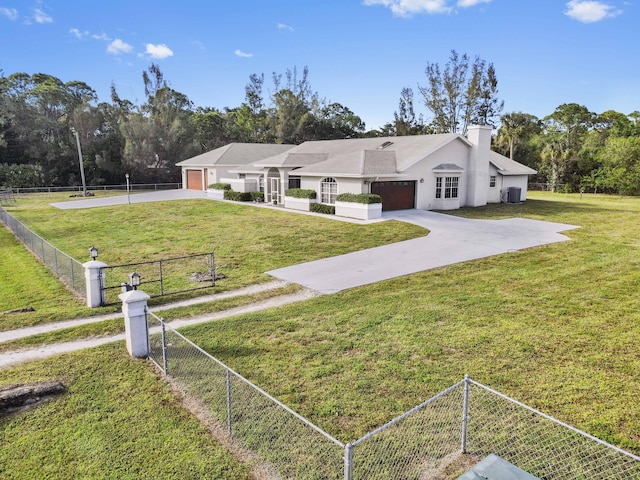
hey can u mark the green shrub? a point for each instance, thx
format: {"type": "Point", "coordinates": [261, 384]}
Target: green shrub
{"type": "Point", "coordinates": [257, 196]}
{"type": "Point", "coordinates": [300, 193]}
{"type": "Point", "coordinates": [237, 196]}
{"type": "Point", "coordinates": [366, 198]}
{"type": "Point", "coordinates": [322, 208]}
{"type": "Point", "coordinates": [220, 186]}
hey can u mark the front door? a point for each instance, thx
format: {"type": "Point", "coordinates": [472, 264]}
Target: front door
{"type": "Point", "coordinates": [275, 189]}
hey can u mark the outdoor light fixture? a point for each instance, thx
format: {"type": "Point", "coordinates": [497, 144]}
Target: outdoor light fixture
{"type": "Point", "coordinates": [134, 280]}
{"type": "Point", "coordinates": [422, 180]}
{"type": "Point", "coordinates": [93, 253]}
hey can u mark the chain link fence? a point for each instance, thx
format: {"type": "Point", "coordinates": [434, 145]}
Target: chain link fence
{"type": "Point", "coordinates": [65, 267]}
{"type": "Point", "coordinates": [289, 445]}
{"type": "Point", "coordinates": [438, 439]}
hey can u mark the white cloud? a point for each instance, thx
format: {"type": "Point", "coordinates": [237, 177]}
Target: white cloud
{"type": "Point", "coordinates": [118, 46]}
{"type": "Point", "coordinates": [102, 36]}
{"type": "Point", "coordinates": [199, 44]}
{"type": "Point", "coordinates": [589, 11]}
{"type": "Point", "coordinates": [284, 26]}
{"type": "Point", "coordinates": [471, 3]}
{"type": "Point", "coordinates": [159, 51]}
{"type": "Point", "coordinates": [242, 54]}
{"type": "Point", "coordinates": [10, 13]}
{"type": "Point", "coordinates": [78, 34]}
{"type": "Point", "coordinates": [40, 17]}
{"type": "Point", "coordinates": [405, 8]}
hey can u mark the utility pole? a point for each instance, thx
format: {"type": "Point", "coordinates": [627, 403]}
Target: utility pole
{"type": "Point", "coordinates": [84, 184]}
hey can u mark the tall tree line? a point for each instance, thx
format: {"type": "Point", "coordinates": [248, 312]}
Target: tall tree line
{"type": "Point", "coordinates": [572, 148]}
{"type": "Point", "coordinates": [575, 149]}
{"type": "Point", "coordinates": [38, 111]}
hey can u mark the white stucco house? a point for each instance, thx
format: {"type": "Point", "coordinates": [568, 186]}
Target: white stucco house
{"type": "Point", "coordinates": [203, 170]}
{"type": "Point", "coordinates": [429, 172]}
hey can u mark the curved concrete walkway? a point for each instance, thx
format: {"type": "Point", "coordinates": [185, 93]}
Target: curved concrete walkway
{"type": "Point", "coordinates": [451, 240]}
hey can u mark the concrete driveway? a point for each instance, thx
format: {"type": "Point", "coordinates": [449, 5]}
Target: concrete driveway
{"type": "Point", "coordinates": [451, 240]}
{"type": "Point", "coordinates": [159, 196]}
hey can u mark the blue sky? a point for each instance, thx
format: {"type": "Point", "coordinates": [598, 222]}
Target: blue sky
{"type": "Point", "coordinates": [360, 53]}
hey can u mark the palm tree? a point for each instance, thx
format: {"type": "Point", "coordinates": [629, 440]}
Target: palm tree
{"type": "Point", "coordinates": [555, 153]}
{"type": "Point", "coordinates": [515, 127]}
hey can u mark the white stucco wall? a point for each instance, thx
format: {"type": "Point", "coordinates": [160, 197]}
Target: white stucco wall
{"type": "Point", "coordinates": [478, 168]}
{"type": "Point", "coordinates": [494, 192]}
{"type": "Point", "coordinates": [520, 181]}
{"type": "Point", "coordinates": [454, 153]}
{"type": "Point", "coordinates": [345, 185]}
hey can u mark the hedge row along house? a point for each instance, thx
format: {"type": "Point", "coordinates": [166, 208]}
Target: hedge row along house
{"type": "Point", "coordinates": [428, 172]}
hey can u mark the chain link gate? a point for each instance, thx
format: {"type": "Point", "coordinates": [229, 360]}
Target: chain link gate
{"type": "Point", "coordinates": [167, 276]}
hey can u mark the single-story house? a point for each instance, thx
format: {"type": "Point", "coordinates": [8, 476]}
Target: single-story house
{"type": "Point", "coordinates": [429, 172]}
{"type": "Point", "coordinates": [203, 170]}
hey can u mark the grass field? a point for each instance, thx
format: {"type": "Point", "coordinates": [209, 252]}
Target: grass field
{"type": "Point", "coordinates": [247, 242]}
{"type": "Point", "coordinates": [556, 327]}
{"type": "Point", "coordinates": [116, 420]}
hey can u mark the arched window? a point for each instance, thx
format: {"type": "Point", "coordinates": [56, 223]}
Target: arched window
{"type": "Point", "coordinates": [328, 191]}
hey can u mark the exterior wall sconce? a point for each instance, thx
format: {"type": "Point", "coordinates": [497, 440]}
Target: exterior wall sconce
{"type": "Point", "coordinates": [366, 182]}
{"type": "Point", "coordinates": [422, 180]}
{"type": "Point", "coordinates": [93, 253]}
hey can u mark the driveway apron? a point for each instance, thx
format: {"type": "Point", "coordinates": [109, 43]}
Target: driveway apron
{"type": "Point", "coordinates": [451, 240]}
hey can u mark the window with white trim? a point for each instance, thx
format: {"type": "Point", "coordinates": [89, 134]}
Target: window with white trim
{"type": "Point", "coordinates": [492, 181]}
{"type": "Point", "coordinates": [447, 187]}
{"type": "Point", "coordinates": [328, 191]}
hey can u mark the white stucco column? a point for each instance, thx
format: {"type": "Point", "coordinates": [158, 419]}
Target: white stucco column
{"type": "Point", "coordinates": [134, 304]}
{"type": "Point", "coordinates": [94, 282]}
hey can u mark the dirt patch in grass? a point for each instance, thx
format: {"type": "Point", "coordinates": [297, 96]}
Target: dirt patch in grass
{"type": "Point", "coordinates": [451, 467]}
{"type": "Point", "coordinates": [23, 396]}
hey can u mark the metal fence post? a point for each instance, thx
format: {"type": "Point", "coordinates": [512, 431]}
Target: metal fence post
{"type": "Point", "coordinates": [213, 270]}
{"type": "Point", "coordinates": [165, 365]}
{"type": "Point", "coordinates": [161, 280]}
{"type": "Point", "coordinates": [229, 417]}
{"type": "Point", "coordinates": [348, 462]}
{"type": "Point", "coordinates": [465, 413]}
{"type": "Point", "coordinates": [73, 278]}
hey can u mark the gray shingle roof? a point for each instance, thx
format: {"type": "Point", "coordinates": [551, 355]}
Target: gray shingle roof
{"type": "Point", "coordinates": [506, 166]}
{"type": "Point", "coordinates": [372, 156]}
{"type": "Point", "coordinates": [292, 159]}
{"type": "Point", "coordinates": [236, 154]}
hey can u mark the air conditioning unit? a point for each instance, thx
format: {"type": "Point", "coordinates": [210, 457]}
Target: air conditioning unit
{"type": "Point", "coordinates": [513, 195]}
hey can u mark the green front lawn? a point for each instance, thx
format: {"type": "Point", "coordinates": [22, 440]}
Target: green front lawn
{"type": "Point", "coordinates": [557, 327]}
{"type": "Point", "coordinates": [247, 242]}
{"type": "Point", "coordinates": [117, 420]}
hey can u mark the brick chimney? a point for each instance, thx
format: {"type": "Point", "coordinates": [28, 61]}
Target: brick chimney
{"type": "Point", "coordinates": [478, 172]}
